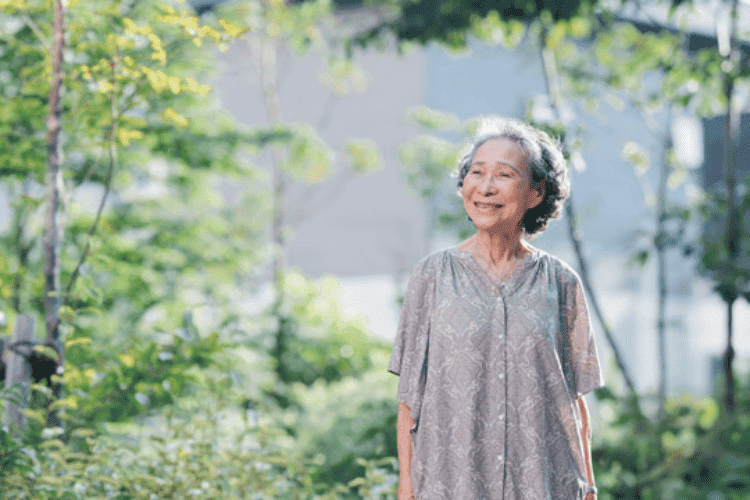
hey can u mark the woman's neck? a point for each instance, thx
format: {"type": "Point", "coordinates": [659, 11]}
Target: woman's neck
{"type": "Point", "coordinates": [497, 248]}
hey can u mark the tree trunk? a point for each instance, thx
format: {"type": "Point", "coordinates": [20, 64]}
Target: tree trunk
{"type": "Point", "coordinates": [269, 83]}
{"type": "Point", "coordinates": [660, 243]}
{"type": "Point", "coordinates": [549, 67]}
{"type": "Point", "coordinates": [52, 230]}
{"type": "Point", "coordinates": [732, 233]}
{"type": "Point", "coordinates": [575, 239]}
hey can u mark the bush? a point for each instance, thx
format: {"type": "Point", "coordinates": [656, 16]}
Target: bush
{"type": "Point", "coordinates": [197, 454]}
{"type": "Point", "coordinates": [695, 452]}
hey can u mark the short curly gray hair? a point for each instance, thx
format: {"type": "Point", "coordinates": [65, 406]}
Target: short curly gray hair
{"type": "Point", "coordinates": [547, 166]}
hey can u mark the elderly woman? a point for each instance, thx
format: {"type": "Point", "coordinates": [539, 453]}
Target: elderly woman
{"type": "Point", "coordinates": [495, 349]}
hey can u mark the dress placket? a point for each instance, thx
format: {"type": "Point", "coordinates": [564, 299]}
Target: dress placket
{"type": "Point", "coordinates": [501, 324]}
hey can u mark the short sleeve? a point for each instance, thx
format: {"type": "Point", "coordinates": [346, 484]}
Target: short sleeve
{"type": "Point", "coordinates": [579, 357]}
{"type": "Point", "coordinates": [409, 355]}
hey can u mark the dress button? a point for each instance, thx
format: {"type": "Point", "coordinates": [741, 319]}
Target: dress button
{"type": "Point", "coordinates": [499, 457]}
{"type": "Point", "coordinates": [501, 376]}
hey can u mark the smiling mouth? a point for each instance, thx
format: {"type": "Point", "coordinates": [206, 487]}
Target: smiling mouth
{"type": "Point", "coordinates": [486, 205]}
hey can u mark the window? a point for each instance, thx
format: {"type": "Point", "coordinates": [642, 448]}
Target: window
{"type": "Point", "coordinates": [712, 173]}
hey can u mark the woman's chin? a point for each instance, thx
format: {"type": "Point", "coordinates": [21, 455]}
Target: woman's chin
{"type": "Point", "coordinates": [494, 226]}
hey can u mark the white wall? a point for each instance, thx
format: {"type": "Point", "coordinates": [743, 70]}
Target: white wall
{"type": "Point", "coordinates": [369, 225]}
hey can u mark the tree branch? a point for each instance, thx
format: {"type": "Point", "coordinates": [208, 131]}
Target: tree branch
{"type": "Point", "coordinates": [107, 185]}
{"type": "Point", "coordinates": [661, 248]}
{"type": "Point", "coordinates": [549, 68]}
{"type": "Point", "coordinates": [329, 194]}
{"type": "Point", "coordinates": [35, 28]}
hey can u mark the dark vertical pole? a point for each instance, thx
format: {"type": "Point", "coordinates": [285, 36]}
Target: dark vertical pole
{"type": "Point", "coordinates": [732, 235]}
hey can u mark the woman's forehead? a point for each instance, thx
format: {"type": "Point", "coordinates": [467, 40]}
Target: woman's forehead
{"type": "Point", "coordinates": [500, 151]}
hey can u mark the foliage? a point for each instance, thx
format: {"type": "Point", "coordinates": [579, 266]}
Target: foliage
{"type": "Point", "coordinates": [451, 21]}
{"type": "Point", "coordinates": [206, 447]}
{"type": "Point", "coordinates": [732, 277]}
{"type": "Point", "coordinates": [183, 230]}
{"type": "Point", "coordinates": [313, 338]}
{"type": "Point", "coordinates": [211, 445]}
{"type": "Point", "coordinates": [147, 376]}
{"type": "Point", "coordinates": [125, 81]}
{"type": "Point", "coordinates": [695, 452]}
{"type": "Point", "coordinates": [204, 453]}
{"type": "Point", "coordinates": [350, 420]}
{"type": "Point", "coordinates": [136, 122]}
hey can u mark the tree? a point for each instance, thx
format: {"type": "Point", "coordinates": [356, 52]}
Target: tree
{"type": "Point", "coordinates": [102, 98]}
{"type": "Point", "coordinates": [51, 229]}
{"type": "Point", "coordinates": [702, 82]}
{"type": "Point", "coordinates": [305, 28]}
{"type": "Point", "coordinates": [732, 231]}
{"type": "Point", "coordinates": [451, 22]}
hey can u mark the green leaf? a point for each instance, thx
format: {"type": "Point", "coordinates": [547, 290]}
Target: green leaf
{"type": "Point", "coordinates": [363, 156]}
{"type": "Point", "coordinates": [635, 154]}
{"type": "Point", "coordinates": [708, 414]}
{"type": "Point", "coordinates": [432, 119]}
{"type": "Point", "coordinates": [42, 388]}
{"type": "Point", "coordinates": [67, 315]}
{"type": "Point", "coordinates": [360, 481]}
{"type": "Point", "coordinates": [309, 158]}
{"type": "Point", "coordinates": [426, 162]}
{"type": "Point", "coordinates": [47, 352]}
{"type": "Point", "coordinates": [35, 415]}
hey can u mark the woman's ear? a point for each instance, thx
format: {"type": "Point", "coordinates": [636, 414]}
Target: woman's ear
{"type": "Point", "coordinates": [538, 193]}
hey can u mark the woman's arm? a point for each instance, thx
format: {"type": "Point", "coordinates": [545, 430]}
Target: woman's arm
{"type": "Point", "coordinates": [586, 439]}
{"type": "Point", "coordinates": [404, 423]}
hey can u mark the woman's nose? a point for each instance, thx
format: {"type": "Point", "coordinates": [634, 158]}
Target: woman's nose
{"type": "Point", "coordinates": [488, 184]}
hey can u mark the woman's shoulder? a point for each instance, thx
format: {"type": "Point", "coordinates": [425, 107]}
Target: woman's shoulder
{"type": "Point", "coordinates": [432, 262]}
{"type": "Point", "coordinates": [558, 268]}
{"type": "Point", "coordinates": [427, 270]}
{"type": "Point", "coordinates": [437, 263]}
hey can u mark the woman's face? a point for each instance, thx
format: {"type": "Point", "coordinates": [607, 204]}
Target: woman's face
{"type": "Point", "coordinates": [497, 190]}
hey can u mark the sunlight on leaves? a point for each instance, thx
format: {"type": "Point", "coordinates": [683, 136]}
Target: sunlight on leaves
{"type": "Point", "coordinates": [363, 156]}
{"type": "Point", "coordinates": [432, 119]}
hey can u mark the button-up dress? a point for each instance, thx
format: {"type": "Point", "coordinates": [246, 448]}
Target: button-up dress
{"type": "Point", "coordinates": [491, 372]}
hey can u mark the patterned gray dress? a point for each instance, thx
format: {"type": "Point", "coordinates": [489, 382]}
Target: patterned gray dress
{"type": "Point", "coordinates": [491, 372]}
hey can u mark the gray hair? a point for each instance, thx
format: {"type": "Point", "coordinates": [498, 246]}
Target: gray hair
{"type": "Point", "coordinates": [547, 166]}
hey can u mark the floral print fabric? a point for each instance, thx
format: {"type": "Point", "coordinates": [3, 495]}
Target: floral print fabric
{"type": "Point", "coordinates": [491, 372]}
